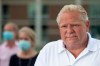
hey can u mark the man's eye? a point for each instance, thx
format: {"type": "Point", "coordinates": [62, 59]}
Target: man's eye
{"type": "Point", "coordinates": [76, 25]}
{"type": "Point", "coordinates": [63, 26]}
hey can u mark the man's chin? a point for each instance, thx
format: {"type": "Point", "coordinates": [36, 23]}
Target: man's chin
{"type": "Point", "coordinates": [72, 42]}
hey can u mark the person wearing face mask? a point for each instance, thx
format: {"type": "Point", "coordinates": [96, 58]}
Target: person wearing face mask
{"type": "Point", "coordinates": [10, 44]}
{"type": "Point", "coordinates": [27, 55]}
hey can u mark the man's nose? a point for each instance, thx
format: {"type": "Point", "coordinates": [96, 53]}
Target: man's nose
{"type": "Point", "coordinates": [70, 29]}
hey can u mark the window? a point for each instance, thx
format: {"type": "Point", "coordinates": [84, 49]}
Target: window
{"type": "Point", "coordinates": [5, 12]}
{"type": "Point", "coordinates": [94, 15]}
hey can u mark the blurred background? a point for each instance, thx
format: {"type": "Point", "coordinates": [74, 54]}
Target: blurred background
{"type": "Point", "coordinates": [40, 15]}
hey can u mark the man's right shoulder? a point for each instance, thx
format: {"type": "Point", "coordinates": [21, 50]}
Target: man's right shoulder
{"type": "Point", "coordinates": [53, 43]}
{"type": "Point", "coordinates": [51, 46]}
{"type": "Point", "coordinates": [2, 45]}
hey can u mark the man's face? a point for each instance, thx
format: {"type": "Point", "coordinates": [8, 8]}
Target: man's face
{"type": "Point", "coordinates": [73, 29]}
{"type": "Point", "coordinates": [10, 28]}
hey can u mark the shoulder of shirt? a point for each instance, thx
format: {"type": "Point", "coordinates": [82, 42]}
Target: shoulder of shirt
{"type": "Point", "coordinates": [3, 45]}
{"type": "Point", "coordinates": [51, 45]}
{"type": "Point", "coordinates": [96, 41]}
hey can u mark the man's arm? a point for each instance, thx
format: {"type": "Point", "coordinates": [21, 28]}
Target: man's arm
{"type": "Point", "coordinates": [42, 57]}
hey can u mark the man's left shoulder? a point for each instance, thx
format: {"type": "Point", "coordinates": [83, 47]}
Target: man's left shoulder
{"type": "Point", "coordinates": [96, 41]}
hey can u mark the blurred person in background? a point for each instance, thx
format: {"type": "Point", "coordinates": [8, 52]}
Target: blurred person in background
{"type": "Point", "coordinates": [27, 55]}
{"type": "Point", "coordinates": [9, 45]}
{"type": "Point", "coordinates": [76, 47]}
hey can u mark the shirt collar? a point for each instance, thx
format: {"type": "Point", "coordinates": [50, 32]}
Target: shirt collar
{"type": "Point", "coordinates": [92, 46]}
{"type": "Point", "coordinates": [6, 45]}
{"type": "Point", "coordinates": [61, 46]}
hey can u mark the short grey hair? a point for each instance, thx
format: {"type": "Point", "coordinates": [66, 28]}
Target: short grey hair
{"type": "Point", "coordinates": [71, 7]}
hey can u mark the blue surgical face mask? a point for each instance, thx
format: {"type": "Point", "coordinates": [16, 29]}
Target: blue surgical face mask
{"type": "Point", "coordinates": [8, 35]}
{"type": "Point", "coordinates": [24, 45]}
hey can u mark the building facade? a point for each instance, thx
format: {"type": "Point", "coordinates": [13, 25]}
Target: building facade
{"type": "Point", "coordinates": [23, 13]}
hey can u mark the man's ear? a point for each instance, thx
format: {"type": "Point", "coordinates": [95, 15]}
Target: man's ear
{"type": "Point", "coordinates": [88, 25]}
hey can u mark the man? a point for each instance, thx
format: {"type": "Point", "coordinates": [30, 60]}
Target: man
{"type": "Point", "coordinates": [9, 47]}
{"type": "Point", "coordinates": [76, 47]}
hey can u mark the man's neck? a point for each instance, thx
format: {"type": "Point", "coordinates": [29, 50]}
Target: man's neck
{"type": "Point", "coordinates": [10, 44]}
{"type": "Point", "coordinates": [76, 49]}
{"type": "Point", "coordinates": [76, 52]}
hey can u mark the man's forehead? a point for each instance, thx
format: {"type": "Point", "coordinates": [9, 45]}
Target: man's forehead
{"type": "Point", "coordinates": [11, 27]}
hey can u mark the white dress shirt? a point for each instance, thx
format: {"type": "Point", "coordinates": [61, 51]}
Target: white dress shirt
{"type": "Point", "coordinates": [55, 54]}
